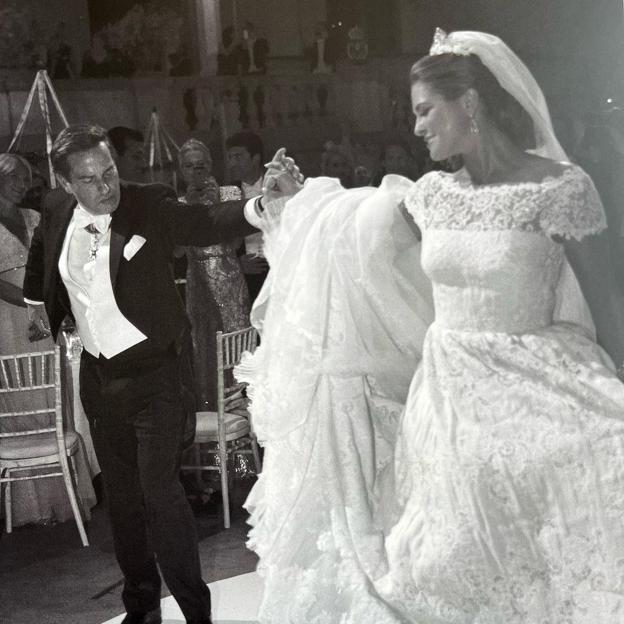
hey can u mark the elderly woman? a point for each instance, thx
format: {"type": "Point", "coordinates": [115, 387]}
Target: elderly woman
{"type": "Point", "coordinates": [16, 228]}
{"type": "Point", "coordinates": [216, 293]}
{"type": "Point", "coordinates": [33, 501]}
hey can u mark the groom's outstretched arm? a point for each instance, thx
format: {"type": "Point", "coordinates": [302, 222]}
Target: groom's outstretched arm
{"type": "Point", "coordinates": [198, 224]}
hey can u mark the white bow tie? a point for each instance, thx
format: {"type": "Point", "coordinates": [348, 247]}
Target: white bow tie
{"type": "Point", "coordinates": [83, 219]}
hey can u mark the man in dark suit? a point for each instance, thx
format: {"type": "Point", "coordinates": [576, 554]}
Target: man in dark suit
{"type": "Point", "coordinates": [102, 254]}
{"type": "Point", "coordinates": [245, 157]}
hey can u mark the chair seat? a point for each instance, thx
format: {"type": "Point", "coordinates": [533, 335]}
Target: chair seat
{"type": "Point", "coordinates": [208, 424]}
{"type": "Point", "coordinates": [33, 446]}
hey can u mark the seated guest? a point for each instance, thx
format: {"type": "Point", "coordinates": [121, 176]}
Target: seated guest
{"type": "Point", "coordinates": [216, 293]}
{"type": "Point", "coordinates": [39, 500]}
{"type": "Point", "coordinates": [129, 154]}
{"type": "Point", "coordinates": [245, 158]}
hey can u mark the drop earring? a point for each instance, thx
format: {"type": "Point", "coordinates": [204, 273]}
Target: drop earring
{"type": "Point", "coordinates": [474, 128]}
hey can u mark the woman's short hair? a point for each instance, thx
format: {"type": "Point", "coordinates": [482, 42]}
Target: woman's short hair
{"type": "Point", "coordinates": [193, 145]}
{"type": "Point", "coordinates": [10, 162]}
{"type": "Point", "coordinates": [451, 75]}
{"type": "Point", "coordinates": [74, 139]}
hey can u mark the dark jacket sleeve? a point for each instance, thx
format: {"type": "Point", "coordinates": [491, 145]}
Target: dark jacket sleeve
{"type": "Point", "coordinates": [33, 277]}
{"type": "Point", "coordinates": [200, 225]}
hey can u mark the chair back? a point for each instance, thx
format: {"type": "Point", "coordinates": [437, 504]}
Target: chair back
{"type": "Point", "coordinates": [230, 349]}
{"type": "Point", "coordinates": [231, 346]}
{"type": "Point", "coordinates": [30, 390]}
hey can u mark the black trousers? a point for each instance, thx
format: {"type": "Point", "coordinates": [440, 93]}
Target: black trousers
{"type": "Point", "coordinates": [137, 413]}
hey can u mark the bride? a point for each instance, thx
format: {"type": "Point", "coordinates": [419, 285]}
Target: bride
{"type": "Point", "coordinates": [506, 502]}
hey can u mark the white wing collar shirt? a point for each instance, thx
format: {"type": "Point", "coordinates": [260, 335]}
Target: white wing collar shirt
{"type": "Point", "coordinates": [85, 269]}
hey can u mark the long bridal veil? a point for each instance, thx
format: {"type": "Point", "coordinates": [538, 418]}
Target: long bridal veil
{"type": "Point", "coordinates": [350, 249]}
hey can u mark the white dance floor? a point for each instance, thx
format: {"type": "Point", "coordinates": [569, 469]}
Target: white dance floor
{"type": "Point", "coordinates": [234, 601]}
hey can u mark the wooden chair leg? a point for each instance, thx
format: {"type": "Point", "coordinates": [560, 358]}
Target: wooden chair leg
{"type": "Point", "coordinates": [7, 503]}
{"type": "Point", "coordinates": [225, 495]}
{"type": "Point", "coordinates": [73, 500]}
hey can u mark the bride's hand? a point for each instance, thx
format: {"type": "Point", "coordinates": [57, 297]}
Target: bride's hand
{"type": "Point", "coordinates": [283, 177]}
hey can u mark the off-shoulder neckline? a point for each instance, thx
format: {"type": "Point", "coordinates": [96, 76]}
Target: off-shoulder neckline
{"type": "Point", "coordinates": [462, 179]}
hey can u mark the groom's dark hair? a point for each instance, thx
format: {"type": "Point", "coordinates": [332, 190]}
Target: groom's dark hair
{"type": "Point", "coordinates": [451, 75]}
{"type": "Point", "coordinates": [74, 139]}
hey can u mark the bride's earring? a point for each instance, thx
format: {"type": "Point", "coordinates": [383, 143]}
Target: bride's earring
{"type": "Point", "coordinates": [474, 128]}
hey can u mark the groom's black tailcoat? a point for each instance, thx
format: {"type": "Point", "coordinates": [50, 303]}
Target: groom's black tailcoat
{"type": "Point", "coordinates": [144, 288]}
{"type": "Point", "coordinates": [137, 401]}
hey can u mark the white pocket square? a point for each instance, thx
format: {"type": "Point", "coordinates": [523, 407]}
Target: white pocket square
{"type": "Point", "coordinates": [132, 246]}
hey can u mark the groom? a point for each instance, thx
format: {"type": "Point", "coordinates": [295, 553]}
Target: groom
{"type": "Point", "coordinates": [102, 254]}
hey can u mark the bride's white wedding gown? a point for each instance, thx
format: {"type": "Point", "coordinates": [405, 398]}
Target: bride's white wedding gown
{"type": "Point", "coordinates": [508, 500]}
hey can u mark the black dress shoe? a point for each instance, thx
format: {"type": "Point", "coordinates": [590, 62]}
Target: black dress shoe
{"type": "Point", "coordinates": [208, 621]}
{"type": "Point", "coordinates": [151, 617]}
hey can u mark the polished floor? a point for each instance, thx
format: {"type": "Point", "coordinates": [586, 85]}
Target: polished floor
{"type": "Point", "coordinates": [47, 577]}
{"type": "Point", "coordinates": [235, 600]}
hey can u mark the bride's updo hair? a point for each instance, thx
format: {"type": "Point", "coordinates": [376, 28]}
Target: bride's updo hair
{"type": "Point", "coordinates": [451, 75]}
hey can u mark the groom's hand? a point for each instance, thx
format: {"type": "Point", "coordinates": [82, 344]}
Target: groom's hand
{"type": "Point", "coordinates": [283, 177]}
{"type": "Point", "coordinates": [38, 326]}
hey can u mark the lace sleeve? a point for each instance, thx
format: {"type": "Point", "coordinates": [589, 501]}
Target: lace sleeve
{"type": "Point", "coordinates": [418, 198]}
{"type": "Point", "coordinates": [576, 210]}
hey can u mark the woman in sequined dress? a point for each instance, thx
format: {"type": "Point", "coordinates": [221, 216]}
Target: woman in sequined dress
{"type": "Point", "coordinates": [216, 293]}
{"type": "Point", "coordinates": [44, 500]}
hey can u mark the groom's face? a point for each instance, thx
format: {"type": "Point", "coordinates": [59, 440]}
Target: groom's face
{"type": "Point", "coordinates": [93, 179]}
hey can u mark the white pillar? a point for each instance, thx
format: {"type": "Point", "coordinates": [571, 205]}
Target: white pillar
{"type": "Point", "coordinates": [208, 35]}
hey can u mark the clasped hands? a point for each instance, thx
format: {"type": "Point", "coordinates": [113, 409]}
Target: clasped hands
{"type": "Point", "coordinates": [282, 178]}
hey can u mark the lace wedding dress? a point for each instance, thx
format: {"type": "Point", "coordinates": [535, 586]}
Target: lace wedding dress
{"type": "Point", "coordinates": [511, 451]}
{"type": "Point", "coordinates": [507, 502]}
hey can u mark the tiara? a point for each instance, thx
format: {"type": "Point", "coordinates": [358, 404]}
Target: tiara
{"type": "Point", "coordinates": [443, 44]}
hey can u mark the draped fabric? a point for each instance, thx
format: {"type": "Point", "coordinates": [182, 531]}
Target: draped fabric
{"type": "Point", "coordinates": [342, 319]}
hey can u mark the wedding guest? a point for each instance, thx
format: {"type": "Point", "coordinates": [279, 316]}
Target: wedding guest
{"type": "Point", "coordinates": [395, 158]}
{"type": "Point", "coordinates": [245, 158]}
{"type": "Point", "coordinates": [34, 501]}
{"type": "Point", "coordinates": [337, 162]}
{"type": "Point", "coordinates": [254, 51]}
{"type": "Point", "coordinates": [96, 60]}
{"type": "Point", "coordinates": [323, 52]}
{"type": "Point", "coordinates": [129, 153]}
{"type": "Point", "coordinates": [216, 293]}
{"type": "Point", "coordinates": [60, 55]}
{"type": "Point", "coordinates": [229, 57]}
